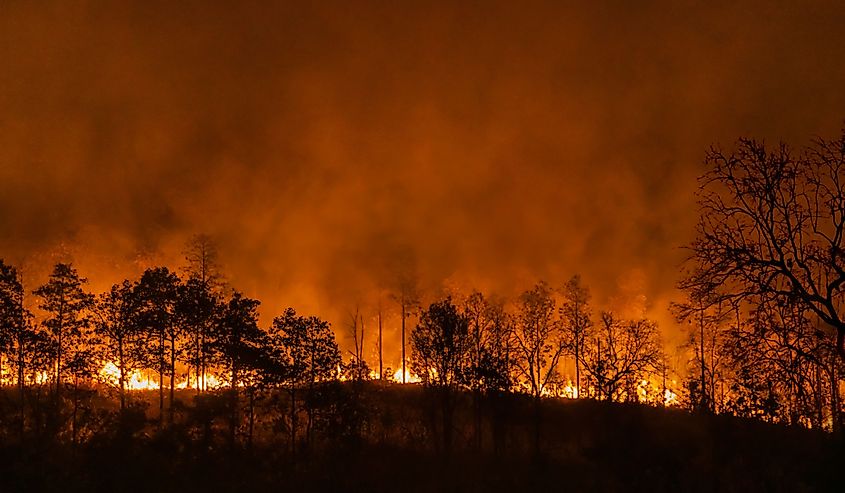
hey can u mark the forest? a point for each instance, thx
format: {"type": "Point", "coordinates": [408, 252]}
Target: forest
{"type": "Point", "coordinates": [173, 369]}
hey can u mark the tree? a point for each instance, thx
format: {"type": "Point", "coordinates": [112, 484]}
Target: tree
{"type": "Point", "coordinates": [538, 339]}
{"type": "Point", "coordinates": [118, 326]}
{"type": "Point", "coordinates": [407, 296]}
{"type": "Point", "coordinates": [67, 306]}
{"type": "Point", "coordinates": [158, 298]}
{"type": "Point", "coordinates": [577, 321]}
{"type": "Point", "coordinates": [357, 369]}
{"type": "Point", "coordinates": [772, 223]}
{"type": "Point", "coordinates": [203, 289]}
{"type": "Point", "coordinates": [306, 349]}
{"type": "Point", "coordinates": [441, 345]}
{"type": "Point", "coordinates": [16, 331]}
{"type": "Point", "coordinates": [441, 350]}
{"type": "Point", "coordinates": [239, 345]}
{"type": "Point", "coordinates": [539, 345]}
{"type": "Point", "coordinates": [706, 315]}
{"type": "Point", "coordinates": [621, 355]}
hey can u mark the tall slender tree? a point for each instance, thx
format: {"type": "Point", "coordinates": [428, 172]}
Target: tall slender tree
{"type": "Point", "coordinates": [204, 285]}
{"type": "Point", "coordinates": [158, 297]}
{"type": "Point", "coordinates": [67, 306]}
{"type": "Point", "coordinates": [576, 318]}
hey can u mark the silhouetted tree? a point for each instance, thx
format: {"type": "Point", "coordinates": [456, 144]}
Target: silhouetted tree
{"type": "Point", "coordinates": [772, 223]}
{"type": "Point", "coordinates": [442, 349]}
{"type": "Point", "coordinates": [240, 346]}
{"type": "Point", "coordinates": [576, 318]}
{"type": "Point", "coordinates": [621, 355]}
{"type": "Point", "coordinates": [67, 306]}
{"type": "Point", "coordinates": [118, 326]}
{"type": "Point", "coordinates": [158, 297]}
{"type": "Point", "coordinates": [539, 342]}
{"type": "Point", "coordinates": [203, 289]}
{"type": "Point", "coordinates": [407, 296]}
{"type": "Point", "coordinates": [16, 331]}
{"type": "Point", "coordinates": [306, 349]}
{"type": "Point", "coordinates": [706, 316]}
{"type": "Point", "coordinates": [357, 369]}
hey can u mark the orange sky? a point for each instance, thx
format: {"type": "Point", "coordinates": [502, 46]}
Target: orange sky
{"type": "Point", "coordinates": [486, 144]}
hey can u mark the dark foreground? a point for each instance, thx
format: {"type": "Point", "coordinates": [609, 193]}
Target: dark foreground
{"type": "Point", "coordinates": [390, 438]}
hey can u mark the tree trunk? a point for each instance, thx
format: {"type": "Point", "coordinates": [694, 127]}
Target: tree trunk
{"type": "Point", "coordinates": [293, 423]}
{"type": "Point", "coordinates": [160, 378]}
{"type": "Point", "coordinates": [121, 379]}
{"type": "Point", "coordinates": [251, 417]}
{"type": "Point", "coordinates": [403, 338]}
{"type": "Point", "coordinates": [170, 408]}
{"type": "Point", "coordinates": [75, 409]}
{"type": "Point", "coordinates": [234, 404]}
{"type": "Point", "coordinates": [21, 383]}
{"type": "Point", "coordinates": [834, 395]}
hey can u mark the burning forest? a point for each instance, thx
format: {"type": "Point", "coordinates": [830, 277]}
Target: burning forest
{"type": "Point", "coordinates": [432, 246]}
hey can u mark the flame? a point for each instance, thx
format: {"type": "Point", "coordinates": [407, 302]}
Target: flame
{"type": "Point", "coordinates": [670, 398]}
{"type": "Point", "coordinates": [134, 380]}
{"type": "Point", "coordinates": [211, 382]}
{"type": "Point", "coordinates": [137, 380]}
{"type": "Point", "coordinates": [409, 377]}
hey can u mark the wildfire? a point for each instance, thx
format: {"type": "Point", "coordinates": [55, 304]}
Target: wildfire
{"type": "Point", "coordinates": [409, 377]}
{"type": "Point", "coordinates": [137, 380]}
{"type": "Point", "coordinates": [133, 380]}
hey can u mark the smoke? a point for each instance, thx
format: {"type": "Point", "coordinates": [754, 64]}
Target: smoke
{"type": "Point", "coordinates": [328, 148]}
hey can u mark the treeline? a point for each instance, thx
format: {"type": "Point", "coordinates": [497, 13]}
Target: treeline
{"type": "Point", "coordinates": [161, 323]}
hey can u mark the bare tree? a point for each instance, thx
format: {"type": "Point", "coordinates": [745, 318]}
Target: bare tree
{"type": "Point", "coordinates": [577, 322]}
{"type": "Point", "coordinates": [706, 315]}
{"type": "Point", "coordinates": [772, 222]}
{"type": "Point", "coordinates": [357, 369]}
{"type": "Point", "coordinates": [621, 355]}
{"type": "Point", "coordinates": [539, 341]}
{"type": "Point", "coordinates": [407, 296]}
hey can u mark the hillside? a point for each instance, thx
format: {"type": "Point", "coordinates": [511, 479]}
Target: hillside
{"type": "Point", "coordinates": [374, 437]}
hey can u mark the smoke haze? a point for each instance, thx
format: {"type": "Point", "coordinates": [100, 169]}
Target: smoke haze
{"type": "Point", "coordinates": [328, 147]}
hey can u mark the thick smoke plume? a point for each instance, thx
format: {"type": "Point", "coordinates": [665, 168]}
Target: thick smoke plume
{"type": "Point", "coordinates": [329, 147]}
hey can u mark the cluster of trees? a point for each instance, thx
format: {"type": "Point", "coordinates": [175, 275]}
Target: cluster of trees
{"type": "Point", "coordinates": [157, 324]}
{"type": "Point", "coordinates": [485, 344]}
{"type": "Point", "coordinates": [766, 287]}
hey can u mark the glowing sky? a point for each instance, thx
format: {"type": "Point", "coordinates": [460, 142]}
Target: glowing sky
{"type": "Point", "coordinates": [486, 144]}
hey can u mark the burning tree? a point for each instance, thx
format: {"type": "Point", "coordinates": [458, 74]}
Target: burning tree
{"type": "Point", "coordinates": [772, 223]}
